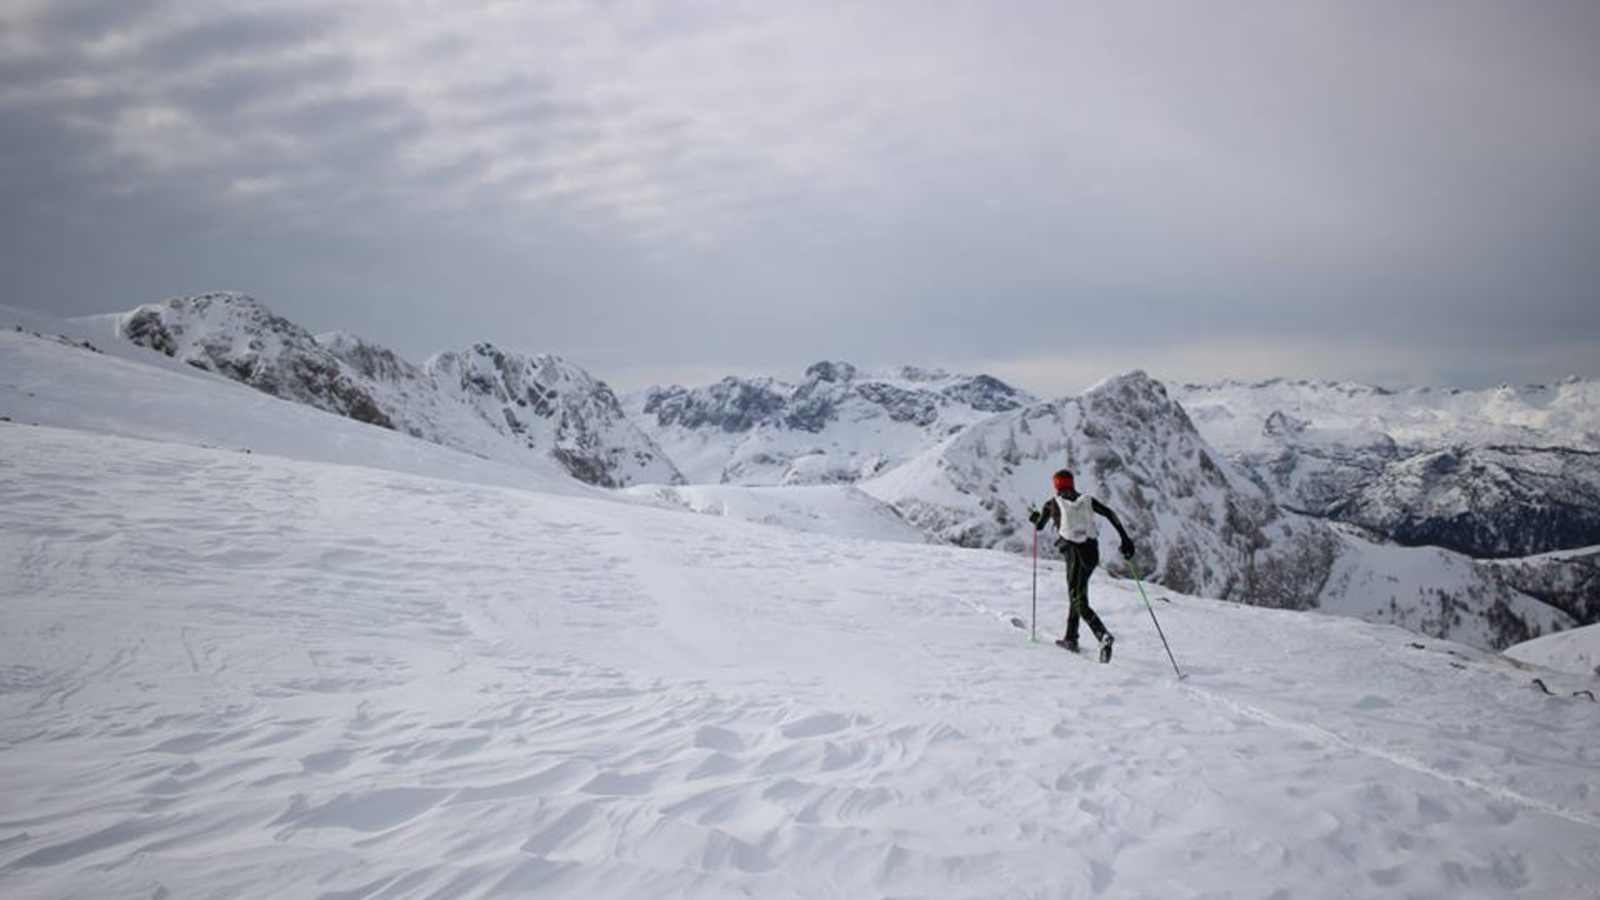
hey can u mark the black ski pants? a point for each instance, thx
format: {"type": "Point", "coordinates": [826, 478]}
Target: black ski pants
{"type": "Point", "coordinates": [1082, 557]}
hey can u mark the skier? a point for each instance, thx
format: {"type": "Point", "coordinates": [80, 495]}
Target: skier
{"type": "Point", "coordinates": [1073, 515]}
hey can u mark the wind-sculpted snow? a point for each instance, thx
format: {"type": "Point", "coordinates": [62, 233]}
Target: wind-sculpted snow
{"type": "Point", "coordinates": [485, 401]}
{"type": "Point", "coordinates": [238, 675]}
{"type": "Point", "coordinates": [1202, 526]}
{"type": "Point", "coordinates": [838, 425]}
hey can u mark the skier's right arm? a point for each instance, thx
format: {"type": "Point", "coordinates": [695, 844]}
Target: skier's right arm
{"type": "Point", "coordinates": [1042, 515]}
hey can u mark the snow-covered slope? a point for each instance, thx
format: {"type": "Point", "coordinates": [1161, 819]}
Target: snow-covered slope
{"type": "Point", "coordinates": [1202, 525]}
{"type": "Point", "coordinates": [249, 676]}
{"type": "Point", "coordinates": [838, 425]}
{"type": "Point", "coordinates": [1436, 592]}
{"type": "Point", "coordinates": [502, 406]}
{"type": "Point", "coordinates": [841, 510]}
{"type": "Point", "coordinates": [48, 380]}
{"type": "Point", "coordinates": [1576, 652]}
{"type": "Point", "coordinates": [1504, 472]}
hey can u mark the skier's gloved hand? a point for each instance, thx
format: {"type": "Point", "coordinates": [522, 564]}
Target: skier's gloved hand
{"type": "Point", "coordinates": [1127, 548]}
{"type": "Point", "coordinates": [1033, 516]}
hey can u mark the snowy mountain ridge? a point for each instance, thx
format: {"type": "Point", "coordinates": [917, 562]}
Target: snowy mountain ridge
{"type": "Point", "coordinates": [1565, 413]}
{"type": "Point", "coordinates": [1202, 525]}
{"type": "Point", "coordinates": [839, 424]}
{"type": "Point", "coordinates": [1506, 472]}
{"type": "Point", "coordinates": [498, 405]}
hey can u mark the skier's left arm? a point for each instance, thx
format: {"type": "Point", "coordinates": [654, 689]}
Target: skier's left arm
{"type": "Point", "coordinates": [1127, 547]}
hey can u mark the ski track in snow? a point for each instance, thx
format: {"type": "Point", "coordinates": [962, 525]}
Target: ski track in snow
{"type": "Point", "coordinates": [245, 676]}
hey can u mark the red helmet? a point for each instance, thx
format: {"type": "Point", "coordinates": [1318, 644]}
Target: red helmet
{"type": "Point", "coordinates": [1062, 481]}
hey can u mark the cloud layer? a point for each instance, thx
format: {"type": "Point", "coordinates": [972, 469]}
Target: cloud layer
{"type": "Point", "coordinates": [1344, 189]}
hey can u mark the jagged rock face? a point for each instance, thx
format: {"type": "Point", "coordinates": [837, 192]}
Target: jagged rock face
{"type": "Point", "coordinates": [517, 409]}
{"type": "Point", "coordinates": [232, 335]}
{"type": "Point", "coordinates": [369, 360]}
{"type": "Point", "coordinates": [731, 405]}
{"type": "Point", "coordinates": [544, 398]}
{"type": "Point", "coordinates": [1491, 502]}
{"type": "Point", "coordinates": [1202, 527]}
{"type": "Point", "coordinates": [839, 425]}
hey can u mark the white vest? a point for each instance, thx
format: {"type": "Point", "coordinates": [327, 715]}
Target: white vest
{"type": "Point", "coordinates": [1077, 518]}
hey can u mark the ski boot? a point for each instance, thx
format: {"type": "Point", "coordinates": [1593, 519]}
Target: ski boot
{"type": "Point", "coordinates": [1067, 643]}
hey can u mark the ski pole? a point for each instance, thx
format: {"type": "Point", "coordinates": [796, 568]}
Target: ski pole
{"type": "Point", "coordinates": [1033, 629]}
{"type": "Point", "coordinates": [1138, 581]}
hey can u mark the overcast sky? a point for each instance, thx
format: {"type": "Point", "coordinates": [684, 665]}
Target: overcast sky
{"type": "Point", "coordinates": [674, 191]}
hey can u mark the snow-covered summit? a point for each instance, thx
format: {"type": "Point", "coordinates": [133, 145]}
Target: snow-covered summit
{"type": "Point", "coordinates": [235, 335]}
{"type": "Point", "coordinates": [498, 405]}
{"type": "Point", "coordinates": [550, 402]}
{"type": "Point", "coordinates": [1129, 444]}
{"type": "Point", "coordinates": [838, 424]}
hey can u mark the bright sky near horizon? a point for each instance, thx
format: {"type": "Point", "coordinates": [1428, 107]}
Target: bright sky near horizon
{"type": "Point", "coordinates": [674, 191]}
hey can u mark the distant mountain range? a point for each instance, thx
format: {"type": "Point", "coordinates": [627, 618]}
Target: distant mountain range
{"type": "Point", "coordinates": [837, 425]}
{"type": "Point", "coordinates": [1296, 494]}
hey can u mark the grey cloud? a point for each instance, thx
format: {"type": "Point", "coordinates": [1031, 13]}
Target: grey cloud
{"type": "Point", "coordinates": [234, 91]}
{"type": "Point", "coordinates": [92, 19]}
{"type": "Point", "coordinates": [238, 34]}
{"type": "Point", "coordinates": [353, 114]}
{"type": "Point", "coordinates": [902, 182]}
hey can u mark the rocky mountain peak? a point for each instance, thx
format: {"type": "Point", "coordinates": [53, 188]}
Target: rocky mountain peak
{"type": "Point", "coordinates": [370, 360]}
{"type": "Point", "coordinates": [234, 335]}
{"type": "Point", "coordinates": [840, 424]}
{"type": "Point", "coordinates": [830, 371]}
{"type": "Point", "coordinates": [513, 407]}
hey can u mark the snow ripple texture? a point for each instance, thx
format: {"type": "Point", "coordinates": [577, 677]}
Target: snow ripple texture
{"type": "Point", "coordinates": [241, 675]}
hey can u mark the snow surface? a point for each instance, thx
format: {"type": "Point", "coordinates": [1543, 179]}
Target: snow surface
{"type": "Point", "coordinates": [842, 510]}
{"type": "Point", "coordinates": [1576, 652]}
{"type": "Point", "coordinates": [279, 674]}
